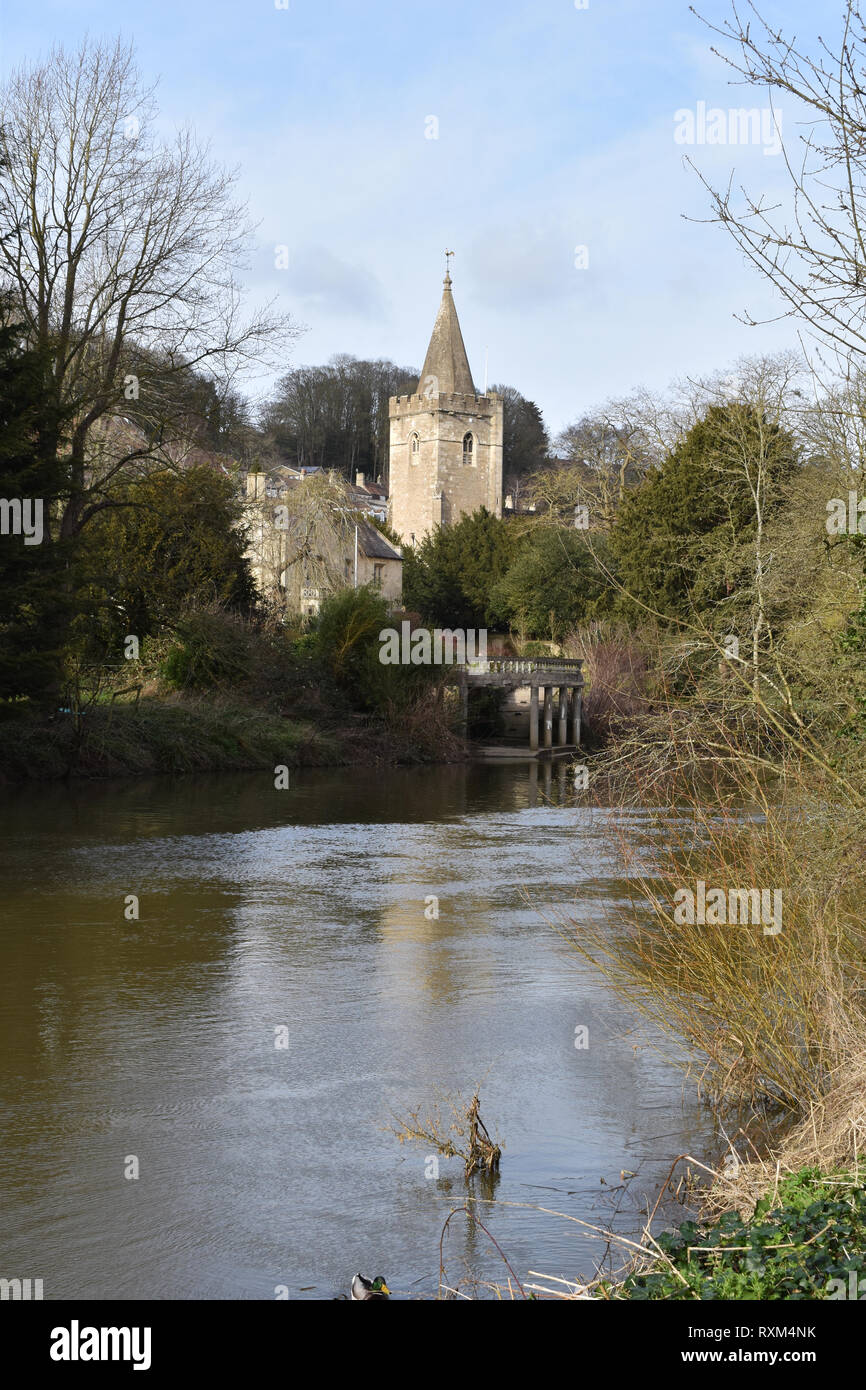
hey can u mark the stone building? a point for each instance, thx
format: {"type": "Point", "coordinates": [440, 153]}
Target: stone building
{"type": "Point", "coordinates": [446, 439]}
{"type": "Point", "coordinates": [310, 536]}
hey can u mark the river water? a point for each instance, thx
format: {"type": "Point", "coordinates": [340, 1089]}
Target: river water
{"type": "Point", "coordinates": [285, 990]}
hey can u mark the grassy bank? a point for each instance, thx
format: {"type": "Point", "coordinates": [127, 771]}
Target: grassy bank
{"type": "Point", "coordinates": [740, 932]}
{"type": "Point", "coordinates": [221, 692]}
{"type": "Point", "coordinates": [188, 734]}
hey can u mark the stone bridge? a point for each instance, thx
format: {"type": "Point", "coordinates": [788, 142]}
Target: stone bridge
{"type": "Point", "coordinates": [542, 675]}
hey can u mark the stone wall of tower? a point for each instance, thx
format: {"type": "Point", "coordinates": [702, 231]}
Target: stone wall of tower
{"type": "Point", "coordinates": [440, 488]}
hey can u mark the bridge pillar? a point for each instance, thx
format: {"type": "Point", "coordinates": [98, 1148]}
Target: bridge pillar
{"type": "Point", "coordinates": [548, 716]}
{"type": "Point", "coordinates": [533, 719]}
{"type": "Point", "coordinates": [576, 702]}
{"type": "Point", "coordinates": [563, 714]}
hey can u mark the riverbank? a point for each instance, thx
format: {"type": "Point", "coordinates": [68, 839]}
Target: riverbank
{"type": "Point", "coordinates": [805, 1238]}
{"type": "Point", "coordinates": [763, 987]}
{"type": "Point", "coordinates": [182, 734]}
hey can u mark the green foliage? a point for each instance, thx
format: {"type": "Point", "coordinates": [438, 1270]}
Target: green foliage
{"type": "Point", "coordinates": [348, 628]}
{"type": "Point", "coordinates": [530, 649]}
{"type": "Point", "coordinates": [34, 587]}
{"type": "Point", "coordinates": [681, 539]}
{"type": "Point", "coordinates": [524, 438]}
{"type": "Point", "coordinates": [212, 649]}
{"type": "Point", "coordinates": [553, 584]}
{"type": "Point", "coordinates": [175, 543]}
{"type": "Point", "coordinates": [450, 576]}
{"type": "Point", "coordinates": [348, 646]}
{"type": "Point", "coordinates": [155, 736]}
{"type": "Point", "coordinates": [791, 1249]}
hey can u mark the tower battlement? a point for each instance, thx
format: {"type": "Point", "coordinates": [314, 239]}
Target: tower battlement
{"type": "Point", "coordinates": [452, 400]}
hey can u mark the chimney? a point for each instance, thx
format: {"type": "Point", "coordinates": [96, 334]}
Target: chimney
{"type": "Point", "coordinates": [255, 486]}
{"type": "Point", "coordinates": [359, 479]}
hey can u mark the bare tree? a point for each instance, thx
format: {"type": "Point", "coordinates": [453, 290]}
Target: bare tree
{"type": "Point", "coordinates": [751, 436]}
{"type": "Point", "coordinates": [119, 252]}
{"type": "Point", "coordinates": [812, 247]}
{"type": "Point", "coordinates": [336, 416]}
{"type": "Point", "coordinates": [603, 455]}
{"type": "Point", "coordinates": [301, 538]}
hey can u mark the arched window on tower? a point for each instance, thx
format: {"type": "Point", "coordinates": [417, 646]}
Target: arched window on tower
{"type": "Point", "coordinates": [414, 448]}
{"type": "Point", "coordinates": [468, 450]}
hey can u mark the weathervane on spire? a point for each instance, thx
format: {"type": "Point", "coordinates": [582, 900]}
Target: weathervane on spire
{"type": "Point", "coordinates": [448, 255]}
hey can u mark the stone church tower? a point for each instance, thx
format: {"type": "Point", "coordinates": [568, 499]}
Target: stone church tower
{"type": "Point", "coordinates": [446, 440]}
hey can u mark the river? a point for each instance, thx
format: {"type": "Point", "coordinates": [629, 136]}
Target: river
{"type": "Point", "coordinates": [195, 1103]}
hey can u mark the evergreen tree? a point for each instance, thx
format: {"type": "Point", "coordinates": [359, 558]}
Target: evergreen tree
{"type": "Point", "coordinates": [683, 539]}
{"type": "Point", "coordinates": [553, 584]}
{"type": "Point", "coordinates": [35, 599]}
{"type": "Point", "coordinates": [175, 542]}
{"type": "Point", "coordinates": [449, 577]}
{"type": "Point", "coordinates": [525, 443]}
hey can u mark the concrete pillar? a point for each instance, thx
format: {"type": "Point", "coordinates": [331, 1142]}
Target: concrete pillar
{"type": "Point", "coordinates": [563, 714]}
{"type": "Point", "coordinates": [576, 703]}
{"type": "Point", "coordinates": [548, 716]}
{"type": "Point", "coordinates": [533, 719]}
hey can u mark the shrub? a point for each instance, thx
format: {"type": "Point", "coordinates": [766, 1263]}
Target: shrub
{"type": "Point", "coordinates": [348, 644]}
{"type": "Point", "coordinates": [617, 675]}
{"type": "Point", "coordinates": [212, 649]}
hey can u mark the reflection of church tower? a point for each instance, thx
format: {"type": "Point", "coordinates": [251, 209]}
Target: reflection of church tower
{"type": "Point", "coordinates": [446, 441]}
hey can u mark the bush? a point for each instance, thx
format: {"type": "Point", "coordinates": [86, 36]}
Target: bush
{"type": "Point", "coordinates": [212, 649]}
{"type": "Point", "coordinates": [348, 645]}
{"type": "Point", "coordinates": [617, 675]}
{"type": "Point", "coordinates": [450, 575]}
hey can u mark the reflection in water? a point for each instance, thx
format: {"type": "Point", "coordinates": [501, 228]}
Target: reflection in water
{"type": "Point", "coordinates": [306, 914]}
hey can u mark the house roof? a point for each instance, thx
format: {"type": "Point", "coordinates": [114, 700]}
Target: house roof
{"type": "Point", "coordinates": [366, 501]}
{"type": "Point", "coordinates": [374, 544]}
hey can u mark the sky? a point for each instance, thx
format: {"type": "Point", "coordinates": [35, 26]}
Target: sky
{"type": "Point", "coordinates": [535, 139]}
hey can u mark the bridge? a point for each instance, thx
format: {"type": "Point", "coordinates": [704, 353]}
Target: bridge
{"type": "Point", "coordinates": [542, 675]}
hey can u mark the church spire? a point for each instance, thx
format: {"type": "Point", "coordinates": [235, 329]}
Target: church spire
{"type": "Point", "coordinates": [446, 359]}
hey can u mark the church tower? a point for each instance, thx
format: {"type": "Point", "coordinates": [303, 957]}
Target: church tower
{"type": "Point", "coordinates": [446, 440]}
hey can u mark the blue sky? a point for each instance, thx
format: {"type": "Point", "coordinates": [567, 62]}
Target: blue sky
{"type": "Point", "coordinates": [555, 130]}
